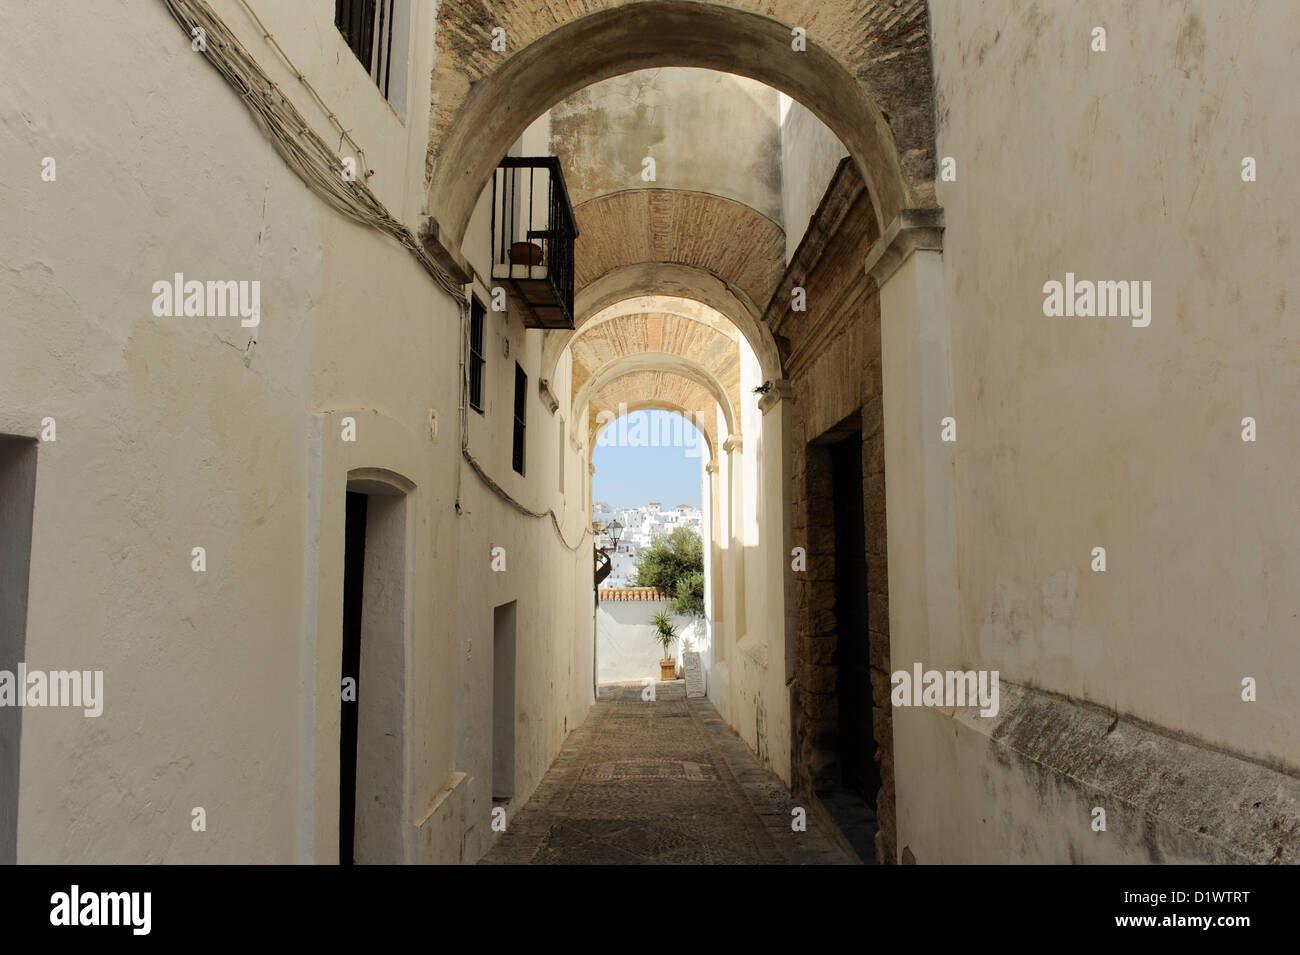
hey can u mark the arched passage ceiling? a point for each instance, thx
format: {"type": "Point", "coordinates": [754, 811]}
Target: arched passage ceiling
{"type": "Point", "coordinates": [721, 237]}
{"type": "Point", "coordinates": [673, 339]}
{"type": "Point", "coordinates": [664, 280]}
{"type": "Point", "coordinates": [861, 55]}
{"type": "Point", "coordinates": [865, 73]}
{"type": "Point", "coordinates": [666, 304]}
{"type": "Point", "coordinates": [709, 228]}
{"type": "Point", "coordinates": [718, 255]}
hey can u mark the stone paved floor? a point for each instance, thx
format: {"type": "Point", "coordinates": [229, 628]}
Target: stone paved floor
{"type": "Point", "coordinates": [663, 782]}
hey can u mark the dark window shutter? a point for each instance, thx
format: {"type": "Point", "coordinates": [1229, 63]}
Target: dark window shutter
{"type": "Point", "coordinates": [477, 315]}
{"type": "Point", "coordinates": [521, 394]}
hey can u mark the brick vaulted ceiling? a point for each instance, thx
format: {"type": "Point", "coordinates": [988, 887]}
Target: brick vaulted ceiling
{"type": "Point", "coordinates": [604, 343]}
{"type": "Point", "coordinates": [689, 363]}
{"type": "Point", "coordinates": [721, 236]}
{"type": "Point", "coordinates": [687, 360]}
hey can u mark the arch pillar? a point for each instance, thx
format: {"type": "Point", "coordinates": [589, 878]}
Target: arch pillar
{"type": "Point", "coordinates": [708, 535]}
{"type": "Point", "coordinates": [916, 370]}
{"type": "Point", "coordinates": [719, 591]}
{"type": "Point", "coordinates": [776, 536]}
{"type": "Point", "coordinates": [733, 573]}
{"type": "Point", "coordinates": [906, 264]}
{"type": "Point", "coordinates": [776, 518]}
{"type": "Point", "coordinates": [714, 512]}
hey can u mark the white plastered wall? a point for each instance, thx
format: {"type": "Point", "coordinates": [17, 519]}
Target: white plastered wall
{"type": "Point", "coordinates": [222, 688]}
{"type": "Point", "coordinates": [1076, 433]}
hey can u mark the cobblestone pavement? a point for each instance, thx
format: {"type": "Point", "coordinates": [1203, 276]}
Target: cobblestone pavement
{"type": "Point", "coordinates": [663, 782]}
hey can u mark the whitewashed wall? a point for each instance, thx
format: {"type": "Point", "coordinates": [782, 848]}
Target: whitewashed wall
{"type": "Point", "coordinates": [625, 647]}
{"type": "Point", "coordinates": [222, 688]}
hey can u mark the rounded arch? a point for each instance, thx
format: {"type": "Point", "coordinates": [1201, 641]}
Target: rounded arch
{"type": "Point", "coordinates": [707, 194]}
{"type": "Point", "coordinates": [653, 404]}
{"type": "Point", "coordinates": [483, 107]}
{"type": "Point", "coordinates": [382, 481]}
{"type": "Point", "coordinates": [706, 340]}
{"type": "Point", "coordinates": [673, 280]}
{"type": "Point", "coordinates": [665, 364]}
{"type": "Point", "coordinates": [690, 309]}
{"type": "Point", "coordinates": [668, 278]}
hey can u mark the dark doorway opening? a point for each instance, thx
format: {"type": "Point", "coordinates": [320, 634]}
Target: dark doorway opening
{"type": "Point", "coordinates": [850, 794]}
{"type": "Point", "coordinates": [858, 769]}
{"type": "Point", "coordinates": [17, 508]}
{"type": "Point", "coordinates": [504, 622]}
{"type": "Point", "coordinates": [354, 563]}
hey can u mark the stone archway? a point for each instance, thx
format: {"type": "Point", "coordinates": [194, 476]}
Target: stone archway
{"type": "Point", "coordinates": [656, 371]}
{"type": "Point", "coordinates": [865, 73]}
{"type": "Point", "coordinates": [688, 411]}
{"type": "Point", "coordinates": [672, 280]}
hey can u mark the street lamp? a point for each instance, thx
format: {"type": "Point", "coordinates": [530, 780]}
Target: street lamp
{"type": "Point", "coordinates": [615, 531]}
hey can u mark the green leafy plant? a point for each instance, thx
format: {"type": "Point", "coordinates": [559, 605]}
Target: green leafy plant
{"type": "Point", "coordinates": [665, 632]}
{"type": "Point", "coordinates": [675, 565]}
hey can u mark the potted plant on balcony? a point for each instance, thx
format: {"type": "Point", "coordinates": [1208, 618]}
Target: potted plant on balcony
{"type": "Point", "coordinates": [664, 634]}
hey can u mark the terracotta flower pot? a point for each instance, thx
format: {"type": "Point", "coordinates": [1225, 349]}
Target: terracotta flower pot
{"type": "Point", "coordinates": [525, 253]}
{"type": "Point", "coordinates": [667, 669]}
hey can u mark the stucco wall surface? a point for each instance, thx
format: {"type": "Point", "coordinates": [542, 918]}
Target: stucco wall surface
{"type": "Point", "coordinates": [222, 687]}
{"type": "Point", "coordinates": [809, 155]}
{"type": "Point", "coordinates": [626, 649]}
{"type": "Point", "coordinates": [706, 131]}
{"type": "Point", "coordinates": [1075, 433]}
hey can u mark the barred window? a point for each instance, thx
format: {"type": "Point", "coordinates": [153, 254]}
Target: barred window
{"type": "Point", "coordinates": [477, 315]}
{"type": "Point", "coordinates": [368, 27]}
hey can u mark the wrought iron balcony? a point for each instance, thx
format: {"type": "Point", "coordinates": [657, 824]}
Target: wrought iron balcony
{"type": "Point", "coordinates": [532, 238]}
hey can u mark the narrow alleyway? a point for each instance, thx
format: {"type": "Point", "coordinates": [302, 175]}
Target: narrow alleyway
{"type": "Point", "coordinates": [659, 782]}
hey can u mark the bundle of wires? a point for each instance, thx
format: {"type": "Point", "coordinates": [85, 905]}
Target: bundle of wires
{"type": "Point", "coordinates": [322, 170]}
{"type": "Point", "coordinates": [309, 156]}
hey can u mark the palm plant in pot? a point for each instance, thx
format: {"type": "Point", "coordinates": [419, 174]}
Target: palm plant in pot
{"type": "Point", "coordinates": [664, 634]}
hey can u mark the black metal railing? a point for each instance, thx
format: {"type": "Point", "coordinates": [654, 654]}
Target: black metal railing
{"type": "Point", "coordinates": [533, 229]}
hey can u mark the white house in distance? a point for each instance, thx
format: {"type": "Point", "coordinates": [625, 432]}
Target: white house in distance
{"type": "Point", "coordinates": [641, 525]}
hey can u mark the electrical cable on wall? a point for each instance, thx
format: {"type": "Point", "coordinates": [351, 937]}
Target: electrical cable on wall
{"type": "Point", "coordinates": [321, 169]}
{"type": "Point", "coordinates": [307, 154]}
{"type": "Point", "coordinates": [478, 468]}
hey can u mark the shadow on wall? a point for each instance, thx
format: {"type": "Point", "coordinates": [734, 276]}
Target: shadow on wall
{"type": "Point", "coordinates": [626, 649]}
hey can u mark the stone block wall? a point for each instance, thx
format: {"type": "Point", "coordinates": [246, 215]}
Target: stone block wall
{"type": "Point", "coordinates": [832, 357]}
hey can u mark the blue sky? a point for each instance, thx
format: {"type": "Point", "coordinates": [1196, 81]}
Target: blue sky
{"type": "Point", "coordinates": [648, 456]}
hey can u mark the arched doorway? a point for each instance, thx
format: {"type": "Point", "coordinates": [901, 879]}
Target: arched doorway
{"type": "Point", "coordinates": [373, 698]}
